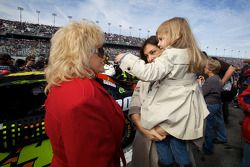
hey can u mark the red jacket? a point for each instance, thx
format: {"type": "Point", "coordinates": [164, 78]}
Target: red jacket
{"type": "Point", "coordinates": [84, 124]}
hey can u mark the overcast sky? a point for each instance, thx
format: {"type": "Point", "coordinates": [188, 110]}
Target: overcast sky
{"type": "Point", "coordinates": [221, 24]}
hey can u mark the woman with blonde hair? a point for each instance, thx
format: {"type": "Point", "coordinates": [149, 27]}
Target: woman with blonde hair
{"type": "Point", "coordinates": [81, 130]}
{"type": "Point", "coordinates": [174, 106]}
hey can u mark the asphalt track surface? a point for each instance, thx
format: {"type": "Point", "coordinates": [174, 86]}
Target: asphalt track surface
{"type": "Point", "coordinates": [229, 154]}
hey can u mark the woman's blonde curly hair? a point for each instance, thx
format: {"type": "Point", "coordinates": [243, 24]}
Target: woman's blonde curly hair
{"type": "Point", "coordinates": [71, 48]}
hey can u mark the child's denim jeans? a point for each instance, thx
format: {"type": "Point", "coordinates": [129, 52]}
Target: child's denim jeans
{"type": "Point", "coordinates": [214, 123]}
{"type": "Point", "coordinates": [172, 150]}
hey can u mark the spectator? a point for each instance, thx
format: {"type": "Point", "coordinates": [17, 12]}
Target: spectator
{"type": "Point", "coordinates": [87, 129]}
{"type": "Point", "coordinates": [211, 90]}
{"type": "Point", "coordinates": [40, 63]}
{"type": "Point", "coordinates": [20, 64]}
{"type": "Point", "coordinates": [143, 141]}
{"type": "Point", "coordinates": [244, 102]}
{"type": "Point", "coordinates": [6, 64]}
{"type": "Point", "coordinates": [226, 71]}
{"type": "Point", "coordinates": [30, 63]}
{"type": "Point", "coordinates": [226, 74]}
{"type": "Point", "coordinates": [174, 106]}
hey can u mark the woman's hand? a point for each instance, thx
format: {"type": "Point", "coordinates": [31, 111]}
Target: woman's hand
{"type": "Point", "coordinates": [118, 57]}
{"type": "Point", "coordinates": [152, 134]}
{"type": "Point", "coordinates": [161, 131]}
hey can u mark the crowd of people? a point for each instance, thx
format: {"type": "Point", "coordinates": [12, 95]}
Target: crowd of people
{"type": "Point", "coordinates": [10, 65]}
{"type": "Point", "coordinates": [177, 107]}
{"type": "Point", "coordinates": [23, 47]}
{"type": "Point", "coordinates": [15, 27]}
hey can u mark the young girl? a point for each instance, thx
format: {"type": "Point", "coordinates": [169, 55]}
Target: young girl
{"type": "Point", "coordinates": [174, 101]}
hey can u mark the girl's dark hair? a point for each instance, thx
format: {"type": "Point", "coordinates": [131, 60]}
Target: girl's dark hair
{"type": "Point", "coordinates": [151, 40]}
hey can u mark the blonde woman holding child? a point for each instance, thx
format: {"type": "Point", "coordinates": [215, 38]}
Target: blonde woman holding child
{"type": "Point", "coordinates": [174, 106]}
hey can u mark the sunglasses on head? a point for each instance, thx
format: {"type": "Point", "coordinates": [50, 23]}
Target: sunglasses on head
{"type": "Point", "coordinates": [100, 52]}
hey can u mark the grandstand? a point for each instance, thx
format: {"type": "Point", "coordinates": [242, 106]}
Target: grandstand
{"type": "Point", "coordinates": [20, 39]}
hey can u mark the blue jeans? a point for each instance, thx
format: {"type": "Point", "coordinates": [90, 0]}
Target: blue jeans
{"type": "Point", "coordinates": [172, 150]}
{"type": "Point", "coordinates": [214, 124]}
{"type": "Point", "coordinates": [221, 134]}
{"type": "Point", "coordinates": [245, 162]}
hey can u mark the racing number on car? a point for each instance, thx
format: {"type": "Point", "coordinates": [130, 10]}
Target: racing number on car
{"type": "Point", "coordinates": [124, 103]}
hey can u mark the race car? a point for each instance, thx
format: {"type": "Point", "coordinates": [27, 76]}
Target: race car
{"type": "Point", "coordinates": [23, 141]}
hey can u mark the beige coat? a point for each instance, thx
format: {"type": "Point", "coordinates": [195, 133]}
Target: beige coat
{"type": "Point", "coordinates": [144, 149]}
{"type": "Point", "coordinates": [174, 101]}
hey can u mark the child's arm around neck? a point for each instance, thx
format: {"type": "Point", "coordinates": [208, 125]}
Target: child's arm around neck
{"type": "Point", "coordinates": [159, 68]}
